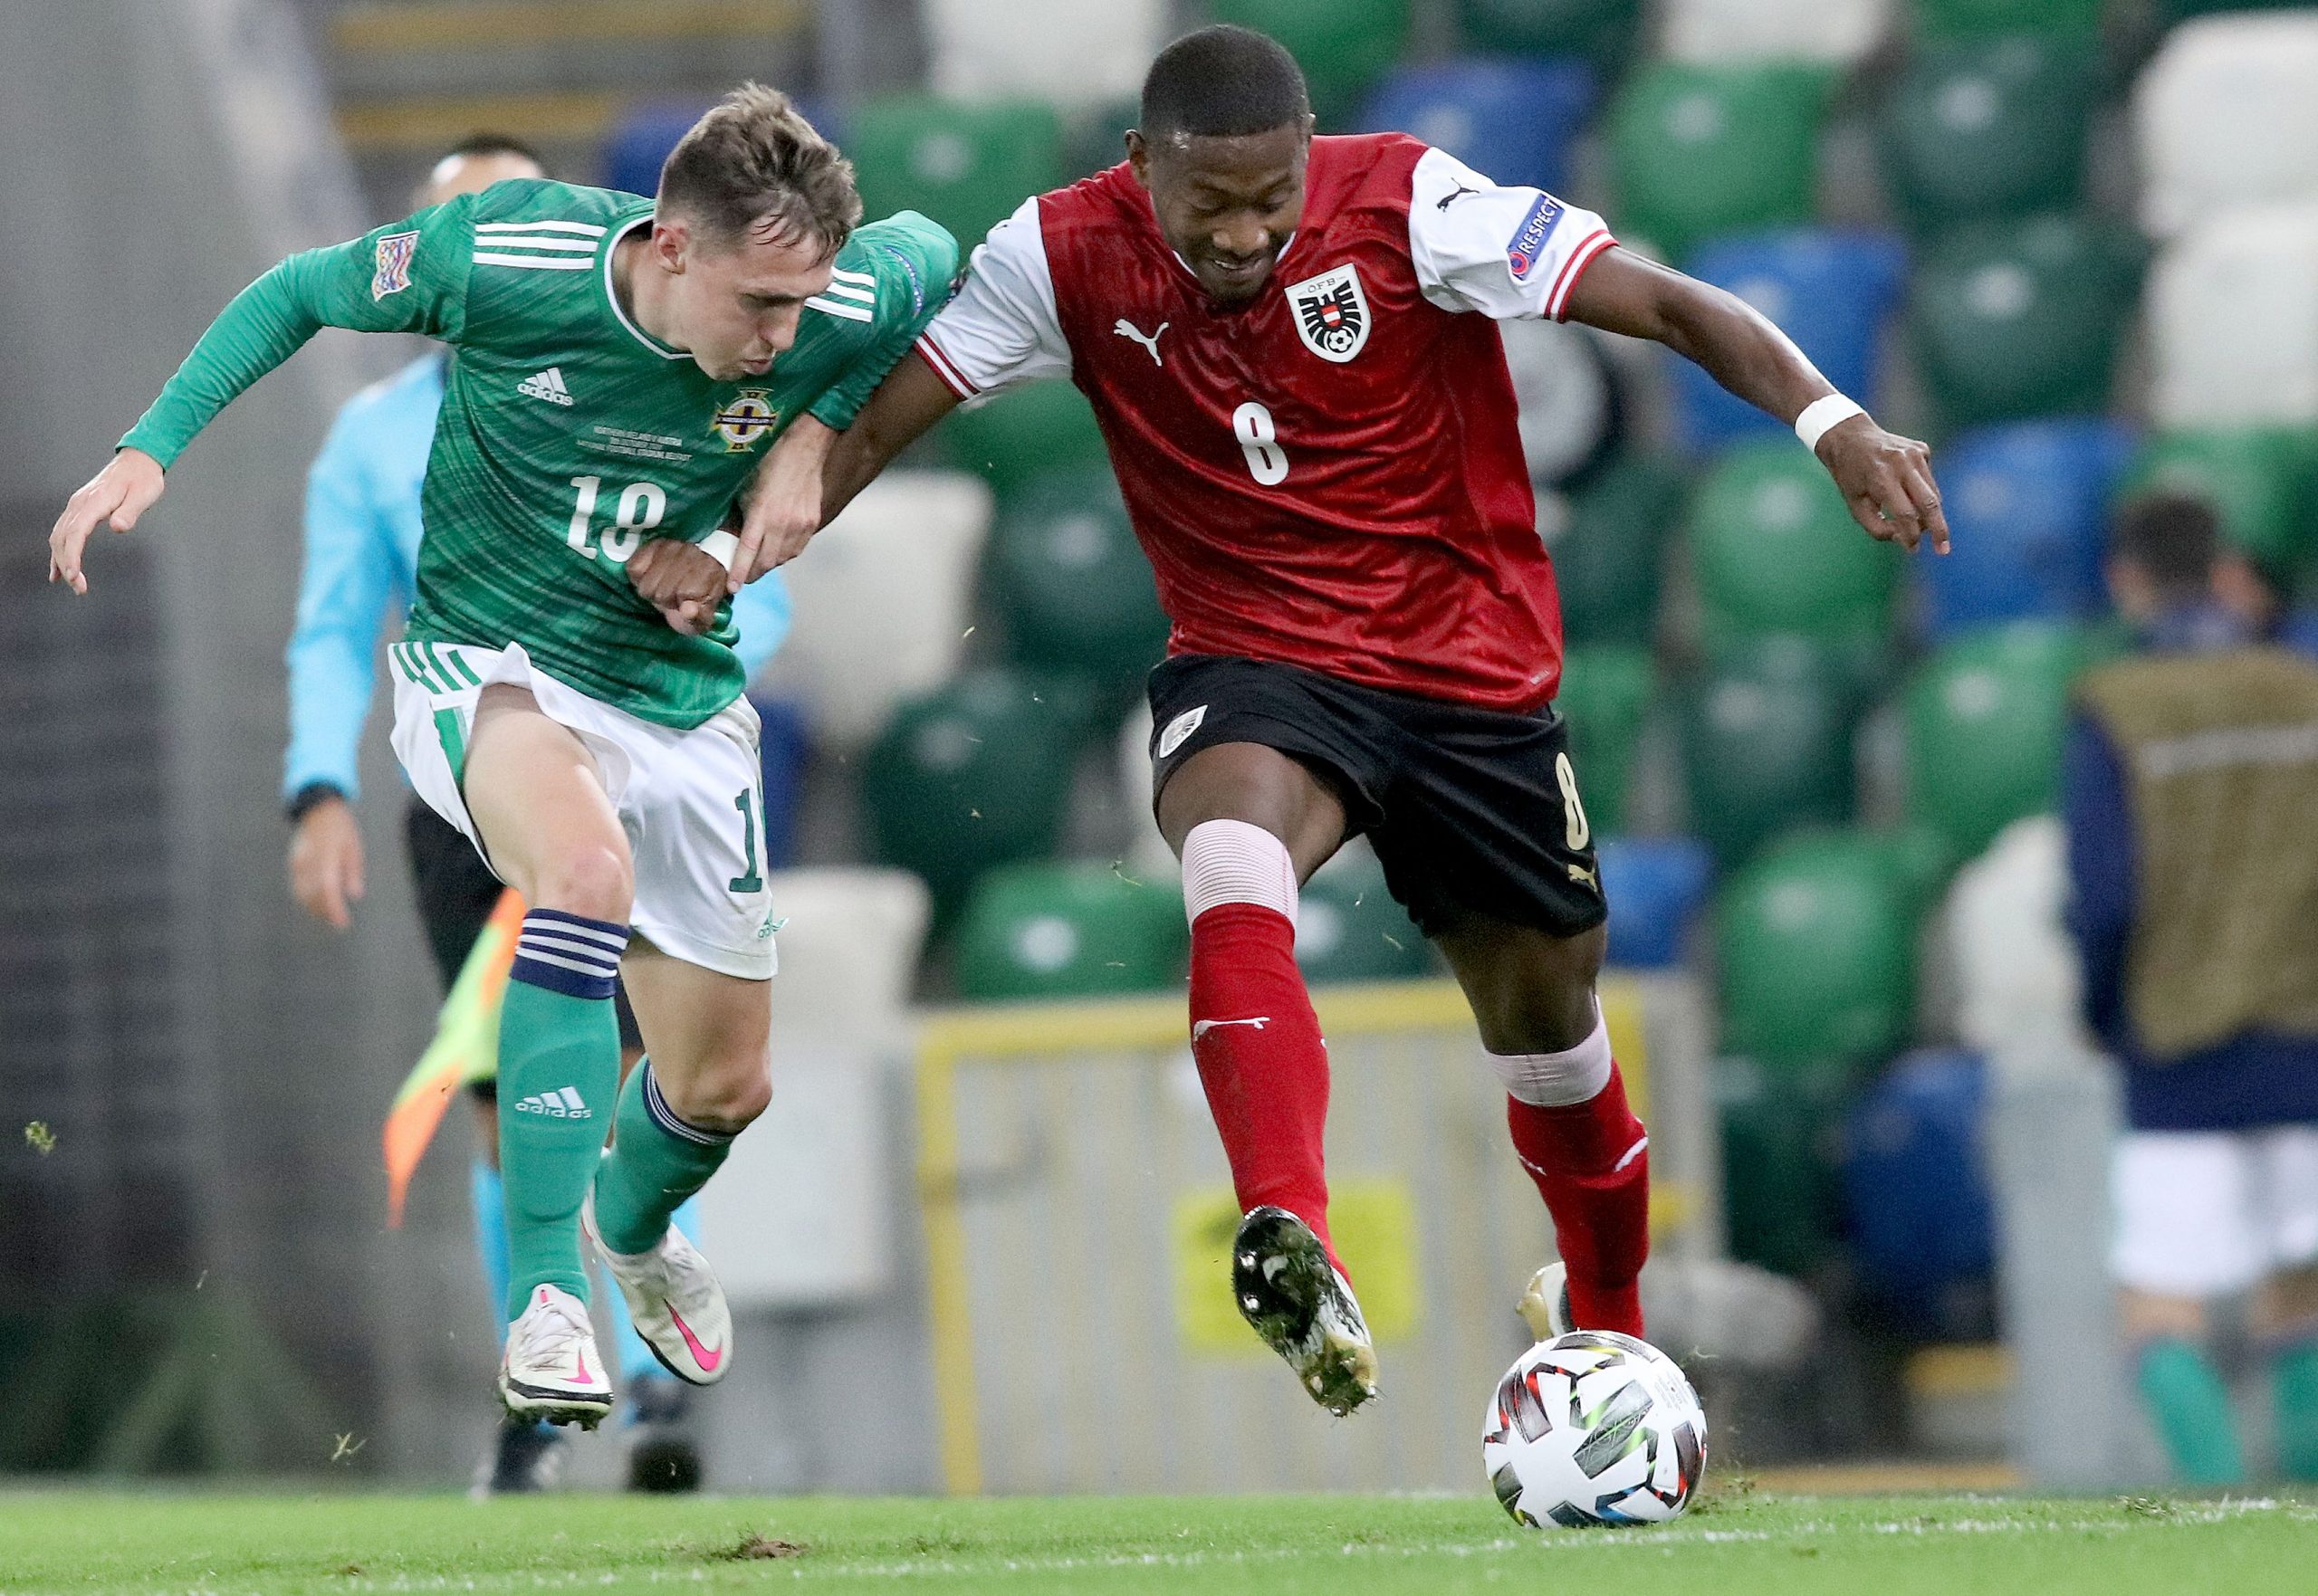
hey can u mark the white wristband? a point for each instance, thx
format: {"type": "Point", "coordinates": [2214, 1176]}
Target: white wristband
{"type": "Point", "coordinates": [1821, 416]}
{"type": "Point", "coordinates": [723, 545]}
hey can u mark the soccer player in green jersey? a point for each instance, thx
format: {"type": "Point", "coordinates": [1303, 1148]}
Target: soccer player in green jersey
{"type": "Point", "coordinates": [620, 365]}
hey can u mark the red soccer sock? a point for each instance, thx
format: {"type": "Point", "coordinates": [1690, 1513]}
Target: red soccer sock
{"type": "Point", "coordinates": [1591, 1162]}
{"type": "Point", "coordinates": [1258, 1045]}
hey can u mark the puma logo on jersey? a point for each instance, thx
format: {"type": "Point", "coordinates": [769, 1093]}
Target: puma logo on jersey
{"type": "Point", "coordinates": [1453, 196]}
{"type": "Point", "coordinates": [1200, 1028]}
{"type": "Point", "coordinates": [1127, 329]}
{"type": "Point", "coordinates": [1583, 877]}
{"type": "Point", "coordinates": [546, 384]}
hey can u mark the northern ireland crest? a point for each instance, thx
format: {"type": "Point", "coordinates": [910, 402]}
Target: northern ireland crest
{"type": "Point", "coordinates": [747, 419]}
{"type": "Point", "coordinates": [1331, 314]}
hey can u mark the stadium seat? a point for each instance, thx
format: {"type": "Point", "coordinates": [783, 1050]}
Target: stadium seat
{"type": "Point", "coordinates": [1832, 292]}
{"type": "Point", "coordinates": [784, 744]}
{"type": "Point", "coordinates": [1656, 885]}
{"type": "Point", "coordinates": [2013, 963]}
{"type": "Point", "coordinates": [2029, 503]}
{"type": "Point", "coordinates": [2017, 320]}
{"type": "Point", "coordinates": [2227, 115]}
{"type": "Point", "coordinates": [850, 937]}
{"type": "Point", "coordinates": [1773, 550]}
{"type": "Point", "coordinates": [1983, 128]}
{"type": "Point", "coordinates": [1781, 1197]}
{"type": "Point", "coordinates": [2263, 481]}
{"type": "Point", "coordinates": [639, 143]}
{"type": "Point", "coordinates": [1815, 950]}
{"type": "Point", "coordinates": [1606, 694]}
{"type": "Point", "coordinates": [1349, 929]}
{"type": "Point", "coordinates": [881, 602]}
{"type": "Point", "coordinates": [2177, 11]}
{"type": "Point", "coordinates": [1571, 396]}
{"type": "Point", "coordinates": [967, 166]}
{"type": "Point", "coordinates": [1838, 31]}
{"type": "Point", "coordinates": [1510, 120]}
{"type": "Point", "coordinates": [974, 774]}
{"type": "Point", "coordinates": [1095, 139]}
{"type": "Point", "coordinates": [1013, 437]}
{"type": "Point", "coordinates": [1609, 559]}
{"type": "Point", "coordinates": [1601, 31]}
{"type": "Point", "coordinates": [1064, 52]}
{"type": "Point", "coordinates": [2233, 319]}
{"type": "Point", "coordinates": [1697, 150]}
{"type": "Point", "coordinates": [1343, 45]}
{"type": "Point", "coordinates": [1147, 856]}
{"type": "Point", "coordinates": [1983, 722]}
{"type": "Point", "coordinates": [1068, 581]}
{"type": "Point", "coordinates": [1961, 19]}
{"type": "Point", "coordinates": [1051, 930]}
{"type": "Point", "coordinates": [1916, 1202]}
{"type": "Point", "coordinates": [1766, 731]}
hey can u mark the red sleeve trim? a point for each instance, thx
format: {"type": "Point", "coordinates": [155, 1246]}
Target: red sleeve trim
{"type": "Point", "coordinates": [1557, 302]}
{"type": "Point", "coordinates": [945, 367]}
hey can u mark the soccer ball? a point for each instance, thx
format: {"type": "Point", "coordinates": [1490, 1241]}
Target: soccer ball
{"type": "Point", "coordinates": [1593, 1427]}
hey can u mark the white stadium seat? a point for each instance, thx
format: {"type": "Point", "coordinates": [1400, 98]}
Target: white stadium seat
{"type": "Point", "coordinates": [2227, 115]}
{"type": "Point", "coordinates": [849, 947]}
{"type": "Point", "coordinates": [2233, 321]}
{"type": "Point", "coordinates": [1065, 51]}
{"type": "Point", "coordinates": [1148, 858]}
{"type": "Point", "coordinates": [882, 598]}
{"type": "Point", "coordinates": [1734, 31]}
{"type": "Point", "coordinates": [2014, 964]}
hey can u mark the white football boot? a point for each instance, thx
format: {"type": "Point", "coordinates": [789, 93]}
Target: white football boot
{"type": "Point", "coordinates": [1545, 1304]}
{"type": "Point", "coordinates": [1304, 1310]}
{"type": "Point", "coordinates": [551, 1369]}
{"type": "Point", "coordinates": [673, 1302]}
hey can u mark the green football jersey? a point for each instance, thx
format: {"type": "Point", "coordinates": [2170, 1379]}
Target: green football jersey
{"type": "Point", "coordinates": [568, 433]}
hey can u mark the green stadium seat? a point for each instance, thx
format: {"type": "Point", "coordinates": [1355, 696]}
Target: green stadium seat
{"type": "Point", "coordinates": [1024, 433]}
{"type": "Point", "coordinates": [1989, 128]}
{"type": "Point", "coordinates": [1602, 31]}
{"type": "Point", "coordinates": [1781, 1199]}
{"type": "Point", "coordinates": [1065, 576]}
{"type": "Point", "coordinates": [1343, 45]}
{"type": "Point", "coordinates": [2019, 319]}
{"type": "Point", "coordinates": [1773, 550]}
{"type": "Point", "coordinates": [1816, 953]}
{"type": "Point", "coordinates": [967, 166]}
{"type": "Point", "coordinates": [2263, 481]}
{"type": "Point", "coordinates": [1959, 19]}
{"type": "Point", "coordinates": [1608, 561]}
{"type": "Point", "coordinates": [2169, 12]}
{"type": "Point", "coordinates": [1605, 693]}
{"type": "Point", "coordinates": [1049, 930]}
{"type": "Point", "coordinates": [1766, 731]}
{"type": "Point", "coordinates": [1984, 719]}
{"type": "Point", "coordinates": [974, 774]}
{"type": "Point", "coordinates": [1349, 929]}
{"type": "Point", "coordinates": [1696, 150]}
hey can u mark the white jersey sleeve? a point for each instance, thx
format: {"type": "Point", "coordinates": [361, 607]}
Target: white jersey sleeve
{"type": "Point", "coordinates": [1001, 328]}
{"type": "Point", "coordinates": [1505, 252]}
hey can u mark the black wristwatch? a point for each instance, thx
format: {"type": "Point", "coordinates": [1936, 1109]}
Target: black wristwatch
{"type": "Point", "coordinates": [308, 797]}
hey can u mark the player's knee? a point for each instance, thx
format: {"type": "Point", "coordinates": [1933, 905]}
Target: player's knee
{"type": "Point", "coordinates": [728, 1100]}
{"type": "Point", "coordinates": [596, 880]}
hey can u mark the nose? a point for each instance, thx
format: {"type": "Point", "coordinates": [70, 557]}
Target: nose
{"type": "Point", "coordinates": [1240, 239]}
{"type": "Point", "coordinates": [780, 327]}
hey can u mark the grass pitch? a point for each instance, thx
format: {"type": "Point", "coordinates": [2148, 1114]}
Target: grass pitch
{"type": "Point", "coordinates": [1733, 1544]}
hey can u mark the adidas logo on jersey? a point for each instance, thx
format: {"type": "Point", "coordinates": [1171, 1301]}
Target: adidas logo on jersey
{"type": "Point", "coordinates": [562, 1103]}
{"type": "Point", "coordinates": [546, 384]}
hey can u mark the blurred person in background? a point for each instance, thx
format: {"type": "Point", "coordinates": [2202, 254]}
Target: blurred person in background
{"type": "Point", "coordinates": [362, 560]}
{"type": "Point", "coordinates": [2191, 793]}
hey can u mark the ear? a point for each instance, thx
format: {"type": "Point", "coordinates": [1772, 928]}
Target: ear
{"type": "Point", "coordinates": [670, 243]}
{"type": "Point", "coordinates": [1138, 158]}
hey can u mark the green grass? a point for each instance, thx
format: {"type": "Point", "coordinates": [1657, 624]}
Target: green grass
{"type": "Point", "coordinates": [1734, 1544]}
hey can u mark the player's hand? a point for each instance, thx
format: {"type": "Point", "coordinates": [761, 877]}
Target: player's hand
{"type": "Point", "coordinates": [1886, 482]}
{"type": "Point", "coordinates": [123, 491]}
{"type": "Point", "coordinates": [326, 862]}
{"type": "Point", "coordinates": [782, 507]}
{"type": "Point", "coordinates": [684, 582]}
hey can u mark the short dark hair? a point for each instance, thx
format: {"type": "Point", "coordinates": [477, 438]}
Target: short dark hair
{"type": "Point", "coordinates": [1222, 83]}
{"type": "Point", "coordinates": [481, 144]}
{"type": "Point", "coordinates": [754, 162]}
{"type": "Point", "coordinates": [2173, 537]}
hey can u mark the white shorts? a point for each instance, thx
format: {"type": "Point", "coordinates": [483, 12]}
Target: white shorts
{"type": "Point", "coordinates": [2208, 1213]}
{"type": "Point", "coordinates": [691, 802]}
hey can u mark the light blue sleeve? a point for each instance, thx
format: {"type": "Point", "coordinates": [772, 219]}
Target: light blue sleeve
{"type": "Point", "coordinates": [350, 577]}
{"type": "Point", "coordinates": [760, 614]}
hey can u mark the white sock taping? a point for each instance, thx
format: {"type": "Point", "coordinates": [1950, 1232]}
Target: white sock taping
{"type": "Point", "coordinates": [1232, 862]}
{"type": "Point", "coordinates": [1558, 1080]}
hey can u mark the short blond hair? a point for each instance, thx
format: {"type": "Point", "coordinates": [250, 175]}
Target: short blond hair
{"type": "Point", "coordinates": [754, 164]}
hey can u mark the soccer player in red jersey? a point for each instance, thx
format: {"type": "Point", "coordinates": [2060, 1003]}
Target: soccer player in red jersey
{"type": "Point", "coordinates": [1290, 344]}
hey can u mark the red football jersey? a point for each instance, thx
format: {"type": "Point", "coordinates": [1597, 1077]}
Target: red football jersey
{"type": "Point", "coordinates": [1332, 475]}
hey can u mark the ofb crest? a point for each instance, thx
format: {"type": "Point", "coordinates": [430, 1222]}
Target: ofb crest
{"type": "Point", "coordinates": [1331, 314]}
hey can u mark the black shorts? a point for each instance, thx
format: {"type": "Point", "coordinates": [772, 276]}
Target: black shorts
{"type": "Point", "coordinates": [1471, 811]}
{"type": "Point", "coordinates": [456, 892]}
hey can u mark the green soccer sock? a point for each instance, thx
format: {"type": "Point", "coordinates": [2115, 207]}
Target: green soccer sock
{"type": "Point", "coordinates": [657, 1162]}
{"type": "Point", "coordinates": [2295, 1385]}
{"type": "Point", "coordinates": [559, 1074]}
{"type": "Point", "coordinates": [2190, 1405]}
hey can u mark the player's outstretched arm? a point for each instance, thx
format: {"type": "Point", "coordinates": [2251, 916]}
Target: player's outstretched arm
{"type": "Point", "coordinates": [904, 407]}
{"type": "Point", "coordinates": [1885, 479]}
{"type": "Point", "coordinates": [115, 497]}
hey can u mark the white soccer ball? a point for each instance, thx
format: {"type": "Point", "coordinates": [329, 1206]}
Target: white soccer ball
{"type": "Point", "coordinates": [1593, 1427]}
